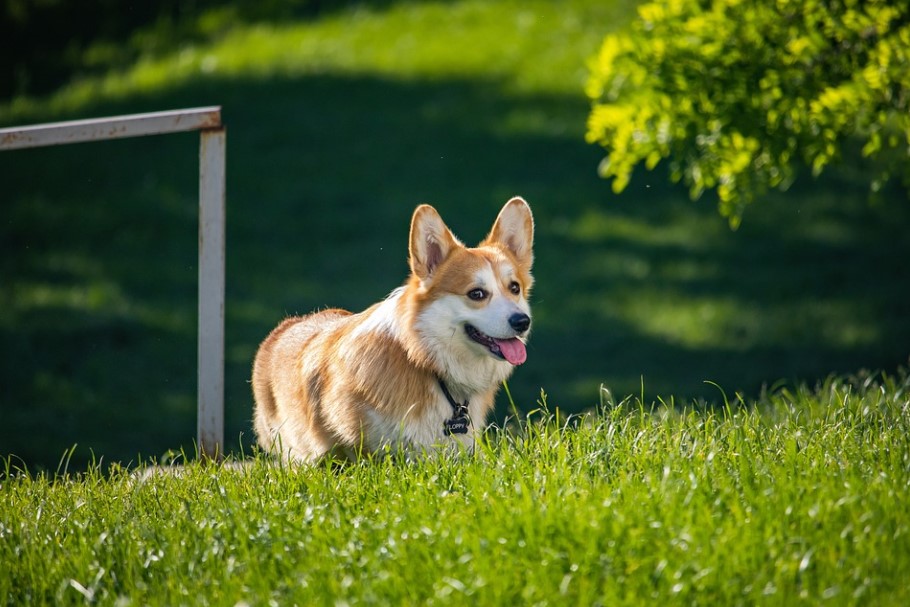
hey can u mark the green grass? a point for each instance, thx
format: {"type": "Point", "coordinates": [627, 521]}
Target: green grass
{"type": "Point", "coordinates": [337, 128]}
{"type": "Point", "coordinates": [798, 498]}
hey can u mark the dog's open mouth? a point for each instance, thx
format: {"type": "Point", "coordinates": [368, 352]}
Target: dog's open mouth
{"type": "Point", "coordinates": [511, 349]}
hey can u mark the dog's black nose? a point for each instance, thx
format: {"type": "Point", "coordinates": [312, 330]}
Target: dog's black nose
{"type": "Point", "coordinates": [520, 322]}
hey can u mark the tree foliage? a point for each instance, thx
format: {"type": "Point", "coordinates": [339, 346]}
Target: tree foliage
{"type": "Point", "coordinates": [738, 93]}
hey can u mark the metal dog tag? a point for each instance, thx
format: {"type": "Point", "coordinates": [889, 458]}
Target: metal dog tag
{"type": "Point", "coordinates": [456, 425]}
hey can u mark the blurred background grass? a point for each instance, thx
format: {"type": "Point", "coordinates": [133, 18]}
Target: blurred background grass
{"type": "Point", "coordinates": [341, 121]}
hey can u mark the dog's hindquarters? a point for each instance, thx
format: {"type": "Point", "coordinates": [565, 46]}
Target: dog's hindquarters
{"type": "Point", "coordinates": [286, 401]}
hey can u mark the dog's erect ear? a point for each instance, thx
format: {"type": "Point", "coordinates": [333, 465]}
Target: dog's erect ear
{"type": "Point", "coordinates": [431, 241]}
{"type": "Point", "coordinates": [514, 230]}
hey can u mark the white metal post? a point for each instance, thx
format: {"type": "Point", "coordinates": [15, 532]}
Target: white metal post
{"type": "Point", "coordinates": [207, 120]}
{"type": "Point", "coordinates": [210, 419]}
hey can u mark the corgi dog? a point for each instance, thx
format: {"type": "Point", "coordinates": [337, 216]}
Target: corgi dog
{"type": "Point", "coordinates": [418, 371]}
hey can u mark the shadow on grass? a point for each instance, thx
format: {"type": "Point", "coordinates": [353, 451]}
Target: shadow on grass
{"type": "Point", "coordinates": [98, 258]}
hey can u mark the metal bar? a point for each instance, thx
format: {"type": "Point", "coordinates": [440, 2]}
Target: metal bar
{"type": "Point", "coordinates": [117, 127]}
{"type": "Point", "coordinates": [210, 387]}
{"type": "Point", "coordinates": [210, 417]}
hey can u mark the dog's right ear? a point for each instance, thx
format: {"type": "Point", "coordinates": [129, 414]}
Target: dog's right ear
{"type": "Point", "coordinates": [431, 241]}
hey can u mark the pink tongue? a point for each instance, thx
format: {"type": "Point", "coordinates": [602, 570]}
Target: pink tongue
{"type": "Point", "coordinates": [513, 350]}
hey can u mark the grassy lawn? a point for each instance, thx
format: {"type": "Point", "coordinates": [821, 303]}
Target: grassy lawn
{"type": "Point", "coordinates": [797, 499]}
{"type": "Point", "coordinates": [337, 128]}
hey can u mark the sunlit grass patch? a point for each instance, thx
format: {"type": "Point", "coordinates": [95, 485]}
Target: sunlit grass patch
{"type": "Point", "coordinates": [525, 47]}
{"type": "Point", "coordinates": [799, 497]}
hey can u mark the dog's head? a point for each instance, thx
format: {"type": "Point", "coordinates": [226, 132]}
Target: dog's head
{"type": "Point", "coordinates": [473, 302]}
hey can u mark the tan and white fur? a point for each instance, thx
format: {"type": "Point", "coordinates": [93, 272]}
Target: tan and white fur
{"type": "Point", "coordinates": [343, 384]}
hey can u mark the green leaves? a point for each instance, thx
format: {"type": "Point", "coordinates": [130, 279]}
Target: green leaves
{"type": "Point", "coordinates": [735, 93]}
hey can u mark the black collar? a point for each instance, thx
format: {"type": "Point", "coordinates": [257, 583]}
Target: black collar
{"type": "Point", "coordinates": [459, 422]}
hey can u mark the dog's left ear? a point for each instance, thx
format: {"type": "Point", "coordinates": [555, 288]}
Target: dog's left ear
{"type": "Point", "coordinates": [431, 241]}
{"type": "Point", "coordinates": [514, 230]}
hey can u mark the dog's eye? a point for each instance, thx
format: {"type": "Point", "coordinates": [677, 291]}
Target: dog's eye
{"type": "Point", "coordinates": [477, 294]}
{"type": "Point", "coordinates": [515, 288]}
